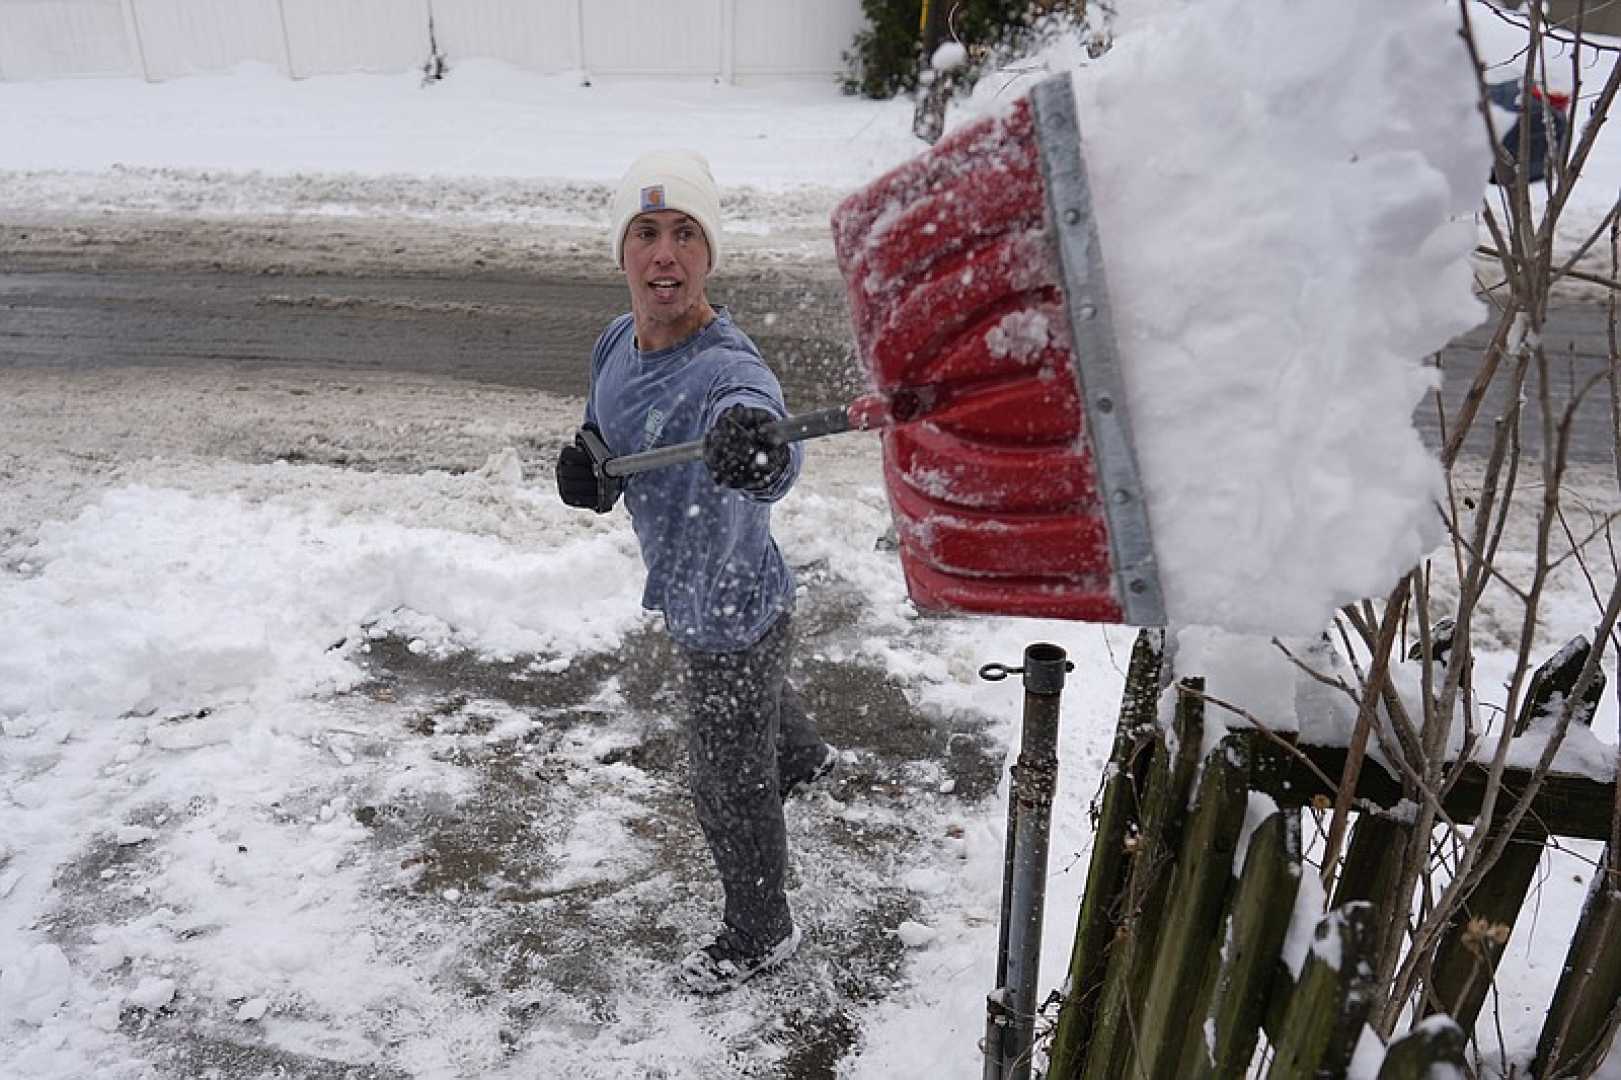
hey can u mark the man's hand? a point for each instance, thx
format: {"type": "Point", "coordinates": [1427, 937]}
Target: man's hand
{"type": "Point", "coordinates": [739, 454]}
{"type": "Point", "coordinates": [580, 479]}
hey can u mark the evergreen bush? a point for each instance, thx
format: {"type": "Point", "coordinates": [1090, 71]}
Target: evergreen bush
{"type": "Point", "coordinates": [883, 59]}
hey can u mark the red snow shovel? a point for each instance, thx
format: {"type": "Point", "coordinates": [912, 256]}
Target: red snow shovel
{"type": "Point", "coordinates": [977, 297]}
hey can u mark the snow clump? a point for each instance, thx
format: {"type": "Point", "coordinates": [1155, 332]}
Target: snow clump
{"type": "Point", "coordinates": [950, 56]}
{"type": "Point", "coordinates": [34, 985]}
{"type": "Point", "coordinates": [1284, 247]}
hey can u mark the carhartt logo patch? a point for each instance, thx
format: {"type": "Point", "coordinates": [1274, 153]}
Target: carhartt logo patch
{"type": "Point", "coordinates": [653, 197]}
{"type": "Point", "coordinates": [652, 428]}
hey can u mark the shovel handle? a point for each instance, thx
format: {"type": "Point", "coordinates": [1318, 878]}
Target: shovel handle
{"type": "Point", "coordinates": [791, 429]}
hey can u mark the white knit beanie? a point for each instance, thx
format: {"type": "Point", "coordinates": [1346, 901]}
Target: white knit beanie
{"type": "Point", "coordinates": [668, 180]}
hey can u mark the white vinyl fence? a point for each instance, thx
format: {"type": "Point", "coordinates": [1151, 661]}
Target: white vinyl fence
{"type": "Point", "coordinates": [164, 39]}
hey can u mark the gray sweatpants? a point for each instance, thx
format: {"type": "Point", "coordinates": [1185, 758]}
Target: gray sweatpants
{"type": "Point", "coordinates": [746, 730]}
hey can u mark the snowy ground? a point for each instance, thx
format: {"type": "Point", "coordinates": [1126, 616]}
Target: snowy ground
{"type": "Point", "coordinates": [371, 768]}
{"type": "Point", "coordinates": [374, 768]}
{"type": "Point", "coordinates": [388, 755]}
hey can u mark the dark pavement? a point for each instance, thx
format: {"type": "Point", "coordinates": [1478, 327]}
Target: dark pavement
{"type": "Point", "coordinates": [523, 333]}
{"type": "Point", "coordinates": [1576, 342]}
{"type": "Point", "coordinates": [538, 334]}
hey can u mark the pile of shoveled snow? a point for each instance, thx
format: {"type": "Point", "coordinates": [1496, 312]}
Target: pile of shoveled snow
{"type": "Point", "coordinates": [1284, 242]}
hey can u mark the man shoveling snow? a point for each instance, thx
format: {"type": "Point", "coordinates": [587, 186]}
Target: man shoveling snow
{"type": "Point", "coordinates": [676, 369]}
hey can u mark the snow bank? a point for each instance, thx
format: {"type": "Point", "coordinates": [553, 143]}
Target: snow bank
{"type": "Point", "coordinates": [157, 600]}
{"type": "Point", "coordinates": [489, 120]}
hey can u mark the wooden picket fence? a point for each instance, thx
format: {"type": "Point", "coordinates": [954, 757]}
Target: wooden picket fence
{"type": "Point", "coordinates": [1178, 965]}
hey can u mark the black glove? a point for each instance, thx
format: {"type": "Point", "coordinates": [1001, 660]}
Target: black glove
{"type": "Point", "coordinates": [739, 454]}
{"type": "Point", "coordinates": [580, 479]}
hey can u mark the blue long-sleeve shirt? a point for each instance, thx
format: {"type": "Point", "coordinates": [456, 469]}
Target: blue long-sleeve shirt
{"type": "Point", "coordinates": [713, 568]}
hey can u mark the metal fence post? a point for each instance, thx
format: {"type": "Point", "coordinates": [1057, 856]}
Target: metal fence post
{"type": "Point", "coordinates": [728, 41]}
{"type": "Point", "coordinates": [579, 42]}
{"type": "Point", "coordinates": [132, 28]}
{"type": "Point", "coordinates": [1011, 1007]}
{"type": "Point", "coordinates": [933, 87]}
{"type": "Point", "coordinates": [286, 41]}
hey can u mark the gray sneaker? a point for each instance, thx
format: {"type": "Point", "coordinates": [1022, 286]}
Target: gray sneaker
{"type": "Point", "coordinates": [724, 964]}
{"type": "Point", "coordinates": [810, 773]}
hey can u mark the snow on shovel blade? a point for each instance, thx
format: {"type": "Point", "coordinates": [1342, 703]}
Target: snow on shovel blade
{"type": "Point", "coordinates": [976, 266]}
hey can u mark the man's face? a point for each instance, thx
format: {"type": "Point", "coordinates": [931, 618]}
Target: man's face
{"type": "Point", "coordinates": [666, 264]}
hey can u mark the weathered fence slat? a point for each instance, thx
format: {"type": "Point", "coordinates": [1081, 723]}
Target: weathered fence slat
{"type": "Point", "coordinates": [1435, 1041]}
{"type": "Point", "coordinates": [1177, 963]}
{"type": "Point", "coordinates": [1372, 860]}
{"type": "Point", "coordinates": [1250, 952]}
{"type": "Point", "coordinates": [1199, 887]}
{"type": "Point", "coordinates": [1568, 805]}
{"type": "Point", "coordinates": [1330, 1001]}
{"type": "Point", "coordinates": [1110, 862]}
{"type": "Point", "coordinates": [1372, 870]}
{"type": "Point", "coordinates": [1580, 1019]}
{"type": "Point", "coordinates": [1466, 960]}
{"type": "Point", "coordinates": [1109, 1053]}
{"type": "Point", "coordinates": [1194, 1061]}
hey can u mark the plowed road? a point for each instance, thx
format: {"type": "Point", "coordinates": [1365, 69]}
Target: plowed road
{"type": "Point", "coordinates": [538, 333]}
